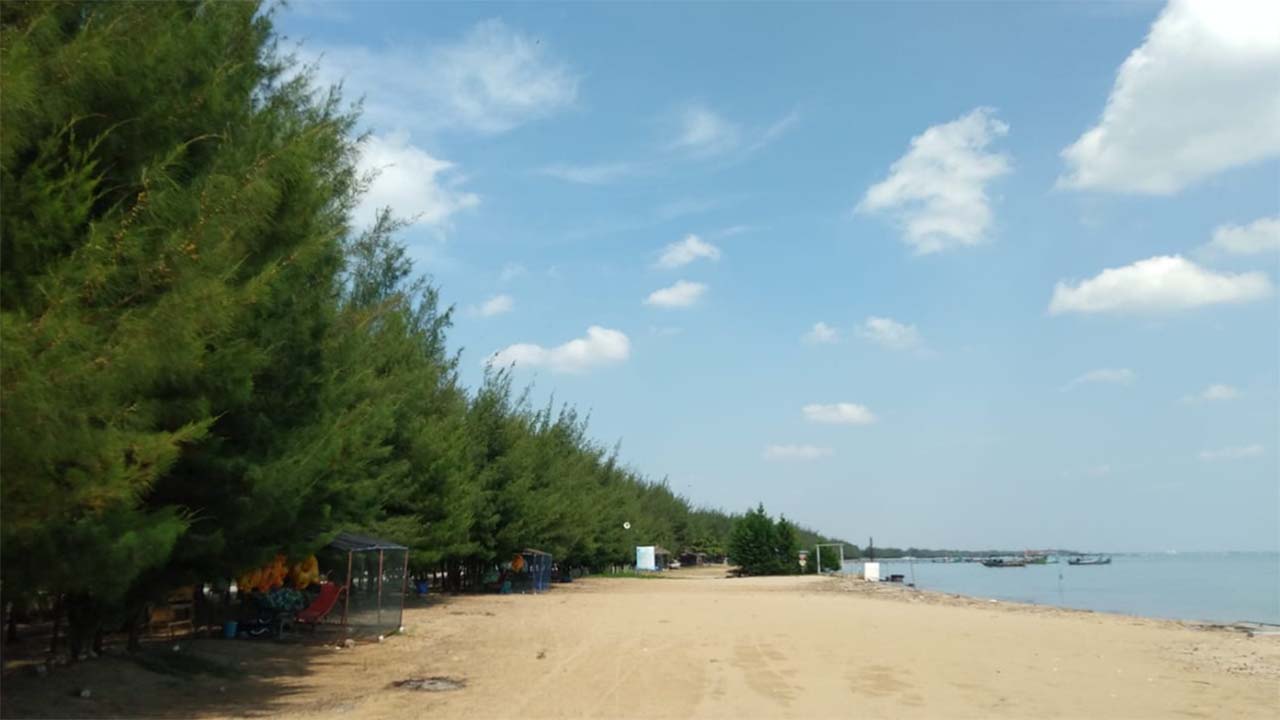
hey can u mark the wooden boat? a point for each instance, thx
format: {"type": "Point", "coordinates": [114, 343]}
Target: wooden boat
{"type": "Point", "coordinates": [1002, 562]}
{"type": "Point", "coordinates": [1100, 560]}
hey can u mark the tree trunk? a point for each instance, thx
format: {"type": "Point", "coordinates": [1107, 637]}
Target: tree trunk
{"type": "Point", "coordinates": [57, 625]}
{"type": "Point", "coordinates": [455, 577]}
{"type": "Point", "coordinates": [134, 644]}
{"type": "Point", "coordinates": [84, 622]}
{"type": "Point", "coordinates": [136, 615]}
{"type": "Point", "coordinates": [11, 630]}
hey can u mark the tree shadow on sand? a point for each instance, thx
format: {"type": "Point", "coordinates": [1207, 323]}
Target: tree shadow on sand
{"type": "Point", "coordinates": [194, 677]}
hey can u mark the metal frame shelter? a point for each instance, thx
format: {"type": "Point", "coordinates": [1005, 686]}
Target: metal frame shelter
{"type": "Point", "coordinates": [375, 583]}
{"type": "Point", "coordinates": [536, 576]}
{"type": "Point", "coordinates": [818, 568]}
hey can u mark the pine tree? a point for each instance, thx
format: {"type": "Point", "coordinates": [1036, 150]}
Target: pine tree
{"type": "Point", "coordinates": [173, 214]}
{"type": "Point", "coordinates": [204, 366]}
{"type": "Point", "coordinates": [786, 548]}
{"type": "Point", "coordinates": [751, 546]}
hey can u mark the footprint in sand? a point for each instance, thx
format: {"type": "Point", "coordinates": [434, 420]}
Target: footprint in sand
{"type": "Point", "coordinates": [758, 663]}
{"type": "Point", "coordinates": [884, 681]}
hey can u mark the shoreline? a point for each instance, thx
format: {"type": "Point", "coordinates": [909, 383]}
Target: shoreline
{"type": "Point", "coordinates": [1221, 589]}
{"type": "Point", "coordinates": [902, 592]}
{"type": "Point", "coordinates": [696, 644]}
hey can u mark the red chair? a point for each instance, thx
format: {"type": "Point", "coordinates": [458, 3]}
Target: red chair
{"type": "Point", "coordinates": [319, 609]}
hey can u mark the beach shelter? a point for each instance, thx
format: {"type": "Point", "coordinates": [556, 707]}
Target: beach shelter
{"type": "Point", "coordinates": [661, 558]}
{"type": "Point", "coordinates": [692, 558]}
{"type": "Point", "coordinates": [374, 576]}
{"type": "Point", "coordinates": [537, 570]}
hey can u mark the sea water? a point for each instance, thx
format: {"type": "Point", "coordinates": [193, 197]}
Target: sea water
{"type": "Point", "coordinates": [1217, 587]}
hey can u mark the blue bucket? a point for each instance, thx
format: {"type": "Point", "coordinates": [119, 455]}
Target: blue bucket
{"type": "Point", "coordinates": [229, 629]}
{"type": "Point", "coordinates": [423, 587]}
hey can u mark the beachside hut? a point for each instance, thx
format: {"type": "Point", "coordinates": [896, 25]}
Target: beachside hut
{"type": "Point", "coordinates": [661, 558]}
{"type": "Point", "coordinates": [535, 576]}
{"type": "Point", "coordinates": [692, 559]}
{"type": "Point", "coordinates": [374, 575]}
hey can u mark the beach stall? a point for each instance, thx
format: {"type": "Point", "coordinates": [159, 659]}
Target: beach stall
{"type": "Point", "coordinates": [534, 574]}
{"type": "Point", "coordinates": [661, 558]}
{"type": "Point", "coordinates": [689, 558]}
{"type": "Point", "coordinates": [373, 575]}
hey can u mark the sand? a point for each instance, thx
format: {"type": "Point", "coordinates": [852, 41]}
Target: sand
{"type": "Point", "coordinates": [693, 644]}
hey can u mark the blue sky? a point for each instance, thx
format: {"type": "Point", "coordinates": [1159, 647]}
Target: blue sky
{"type": "Point", "coordinates": [1041, 240]}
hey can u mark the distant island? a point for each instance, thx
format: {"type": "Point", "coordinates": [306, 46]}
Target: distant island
{"type": "Point", "coordinates": [853, 552]}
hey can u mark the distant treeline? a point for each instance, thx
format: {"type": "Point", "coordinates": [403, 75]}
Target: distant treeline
{"type": "Point", "coordinates": [890, 553]}
{"type": "Point", "coordinates": [207, 365]}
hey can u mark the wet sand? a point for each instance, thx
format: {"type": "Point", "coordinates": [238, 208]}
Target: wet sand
{"type": "Point", "coordinates": [694, 644]}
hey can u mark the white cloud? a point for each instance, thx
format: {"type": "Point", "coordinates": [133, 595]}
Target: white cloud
{"type": "Point", "coordinates": [409, 181]}
{"type": "Point", "coordinates": [795, 452]}
{"type": "Point", "coordinates": [599, 174]}
{"type": "Point", "coordinates": [733, 230]}
{"type": "Point", "coordinates": [938, 189]}
{"type": "Point", "coordinates": [1108, 376]}
{"type": "Point", "coordinates": [1158, 284]}
{"type": "Point", "coordinates": [821, 333]}
{"type": "Point", "coordinates": [601, 346]}
{"type": "Point", "coordinates": [1260, 236]}
{"type": "Point", "coordinates": [685, 251]}
{"type": "Point", "coordinates": [496, 305]}
{"type": "Point", "coordinates": [890, 333]}
{"type": "Point", "coordinates": [776, 130]}
{"type": "Point", "coordinates": [682, 294]}
{"type": "Point", "coordinates": [702, 131]}
{"type": "Point", "coordinates": [1216, 392]}
{"type": "Point", "coordinates": [1099, 470]}
{"type": "Point", "coordinates": [491, 80]}
{"type": "Point", "coordinates": [839, 413]}
{"type": "Point", "coordinates": [1199, 96]}
{"type": "Point", "coordinates": [511, 271]}
{"type": "Point", "coordinates": [1239, 452]}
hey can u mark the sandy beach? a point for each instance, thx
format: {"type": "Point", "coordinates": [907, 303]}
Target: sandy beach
{"type": "Point", "coordinates": [695, 644]}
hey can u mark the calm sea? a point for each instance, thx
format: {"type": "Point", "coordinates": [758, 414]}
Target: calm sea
{"type": "Point", "coordinates": [1219, 587]}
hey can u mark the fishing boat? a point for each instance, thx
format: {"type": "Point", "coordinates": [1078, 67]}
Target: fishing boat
{"type": "Point", "coordinates": [1003, 562]}
{"type": "Point", "coordinates": [1097, 560]}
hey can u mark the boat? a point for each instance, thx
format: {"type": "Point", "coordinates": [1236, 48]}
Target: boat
{"type": "Point", "coordinates": [1097, 560]}
{"type": "Point", "coordinates": [1002, 562]}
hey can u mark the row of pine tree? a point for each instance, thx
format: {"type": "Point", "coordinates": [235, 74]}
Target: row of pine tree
{"type": "Point", "coordinates": [205, 364]}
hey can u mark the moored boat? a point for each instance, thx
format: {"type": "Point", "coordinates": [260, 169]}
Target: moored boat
{"type": "Point", "coordinates": [1096, 560]}
{"type": "Point", "coordinates": [1003, 562]}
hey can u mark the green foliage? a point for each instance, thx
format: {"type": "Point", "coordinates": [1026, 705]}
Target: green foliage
{"type": "Point", "coordinates": [759, 546]}
{"type": "Point", "coordinates": [205, 366]}
{"type": "Point", "coordinates": [172, 230]}
{"type": "Point", "coordinates": [830, 559]}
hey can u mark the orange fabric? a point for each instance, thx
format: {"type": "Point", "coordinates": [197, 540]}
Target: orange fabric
{"type": "Point", "coordinates": [271, 575]}
{"type": "Point", "coordinates": [305, 573]}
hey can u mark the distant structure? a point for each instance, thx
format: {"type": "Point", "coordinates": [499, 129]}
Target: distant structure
{"type": "Point", "coordinates": [871, 548]}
